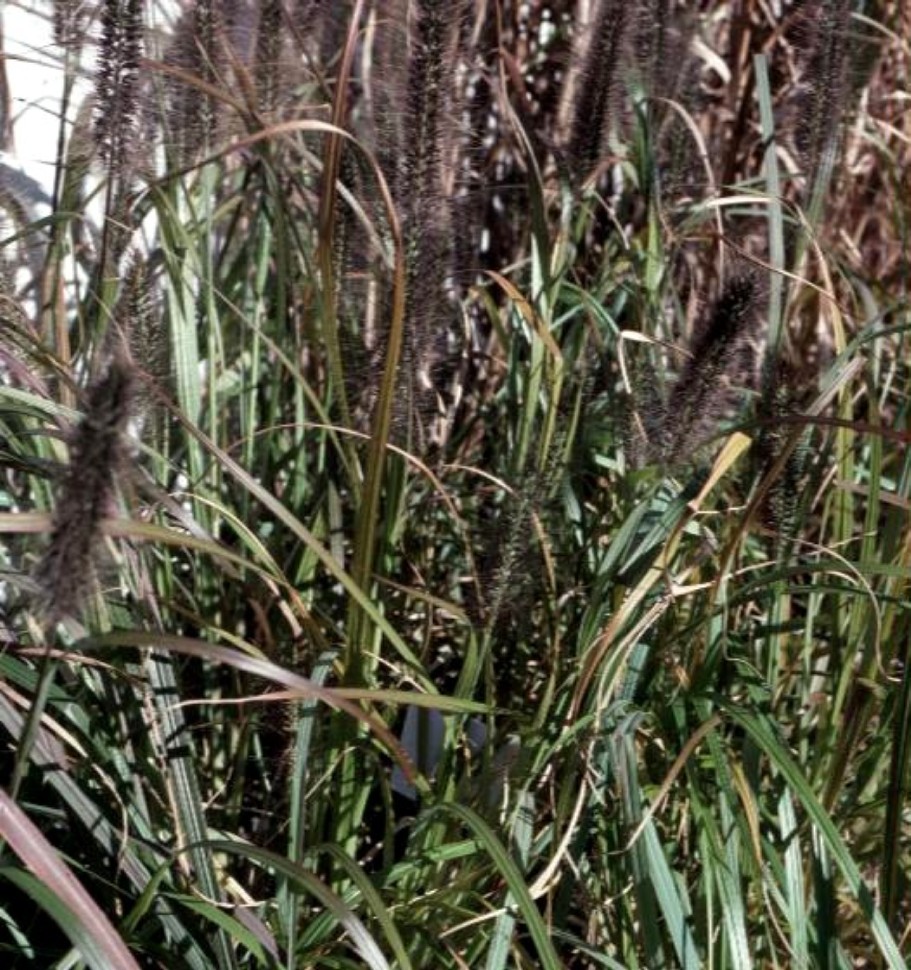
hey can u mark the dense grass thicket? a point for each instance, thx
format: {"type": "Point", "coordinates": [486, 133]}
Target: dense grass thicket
{"type": "Point", "coordinates": [456, 495]}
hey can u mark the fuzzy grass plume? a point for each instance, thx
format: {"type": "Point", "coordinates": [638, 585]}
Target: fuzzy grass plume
{"type": "Point", "coordinates": [645, 717]}
{"type": "Point", "coordinates": [595, 95]}
{"type": "Point", "coordinates": [780, 401]}
{"type": "Point", "coordinates": [268, 60]}
{"type": "Point", "coordinates": [139, 328]}
{"type": "Point", "coordinates": [698, 400]}
{"type": "Point", "coordinates": [191, 123]}
{"type": "Point", "coordinates": [652, 46]}
{"type": "Point", "coordinates": [87, 492]}
{"type": "Point", "coordinates": [69, 22]}
{"type": "Point", "coordinates": [425, 210]}
{"type": "Point", "coordinates": [825, 92]}
{"type": "Point", "coordinates": [117, 84]}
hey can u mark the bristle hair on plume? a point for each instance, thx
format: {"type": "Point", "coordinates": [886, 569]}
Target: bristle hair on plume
{"type": "Point", "coordinates": [825, 87]}
{"type": "Point", "coordinates": [69, 22]}
{"type": "Point", "coordinates": [651, 38]}
{"type": "Point", "coordinates": [267, 58]}
{"type": "Point", "coordinates": [697, 401]}
{"type": "Point", "coordinates": [117, 98]}
{"type": "Point", "coordinates": [86, 493]}
{"type": "Point", "coordinates": [190, 122]}
{"type": "Point", "coordinates": [424, 207]}
{"type": "Point", "coordinates": [601, 55]}
{"type": "Point", "coordinates": [645, 417]}
{"type": "Point", "coordinates": [504, 563]}
{"type": "Point", "coordinates": [779, 401]}
{"type": "Point", "coordinates": [138, 331]}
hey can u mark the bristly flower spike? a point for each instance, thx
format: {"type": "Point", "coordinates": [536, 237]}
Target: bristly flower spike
{"type": "Point", "coordinates": [697, 401]}
{"type": "Point", "coordinates": [599, 79]}
{"type": "Point", "coordinates": [87, 491]}
{"type": "Point", "coordinates": [117, 84]}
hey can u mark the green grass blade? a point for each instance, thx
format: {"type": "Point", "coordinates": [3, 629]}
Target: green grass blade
{"type": "Point", "coordinates": [515, 883]}
{"type": "Point", "coordinates": [52, 884]}
{"type": "Point", "coordinates": [362, 940]}
{"type": "Point", "coordinates": [765, 737]}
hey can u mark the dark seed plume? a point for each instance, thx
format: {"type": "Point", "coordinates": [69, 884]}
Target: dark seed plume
{"type": "Point", "coordinates": [117, 84]}
{"type": "Point", "coordinates": [86, 493]}
{"type": "Point", "coordinates": [603, 54]}
{"type": "Point", "coordinates": [698, 400]}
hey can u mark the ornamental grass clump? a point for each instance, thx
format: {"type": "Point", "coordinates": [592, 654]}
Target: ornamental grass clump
{"type": "Point", "coordinates": [649, 720]}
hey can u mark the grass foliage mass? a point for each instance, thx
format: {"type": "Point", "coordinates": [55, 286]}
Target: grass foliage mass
{"type": "Point", "coordinates": [456, 493]}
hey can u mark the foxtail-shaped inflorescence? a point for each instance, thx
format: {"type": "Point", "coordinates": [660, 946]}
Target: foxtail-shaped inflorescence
{"type": "Point", "coordinates": [138, 328]}
{"type": "Point", "coordinates": [424, 209]}
{"type": "Point", "coordinates": [117, 121]}
{"type": "Point", "coordinates": [504, 558]}
{"type": "Point", "coordinates": [321, 25]}
{"type": "Point", "coordinates": [645, 415]}
{"type": "Point", "coordinates": [69, 22]}
{"type": "Point", "coordinates": [602, 56]}
{"type": "Point", "coordinates": [697, 402]}
{"type": "Point", "coordinates": [825, 92]}
{"type": "Point", "coordinates": [268, 55]}
{"type": "Point", "coordinates": [190, 123]}
{"type": "Point", "coordinates": [14, 321]}
{"type": "Point", "coordinates": [117, 114]}
{"type": "Point", "coordinates": [651, 45]}
{"type": "Point", "coordinates": [782, 502]}
{"type": "Point", "coordinates": [98, 451]}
